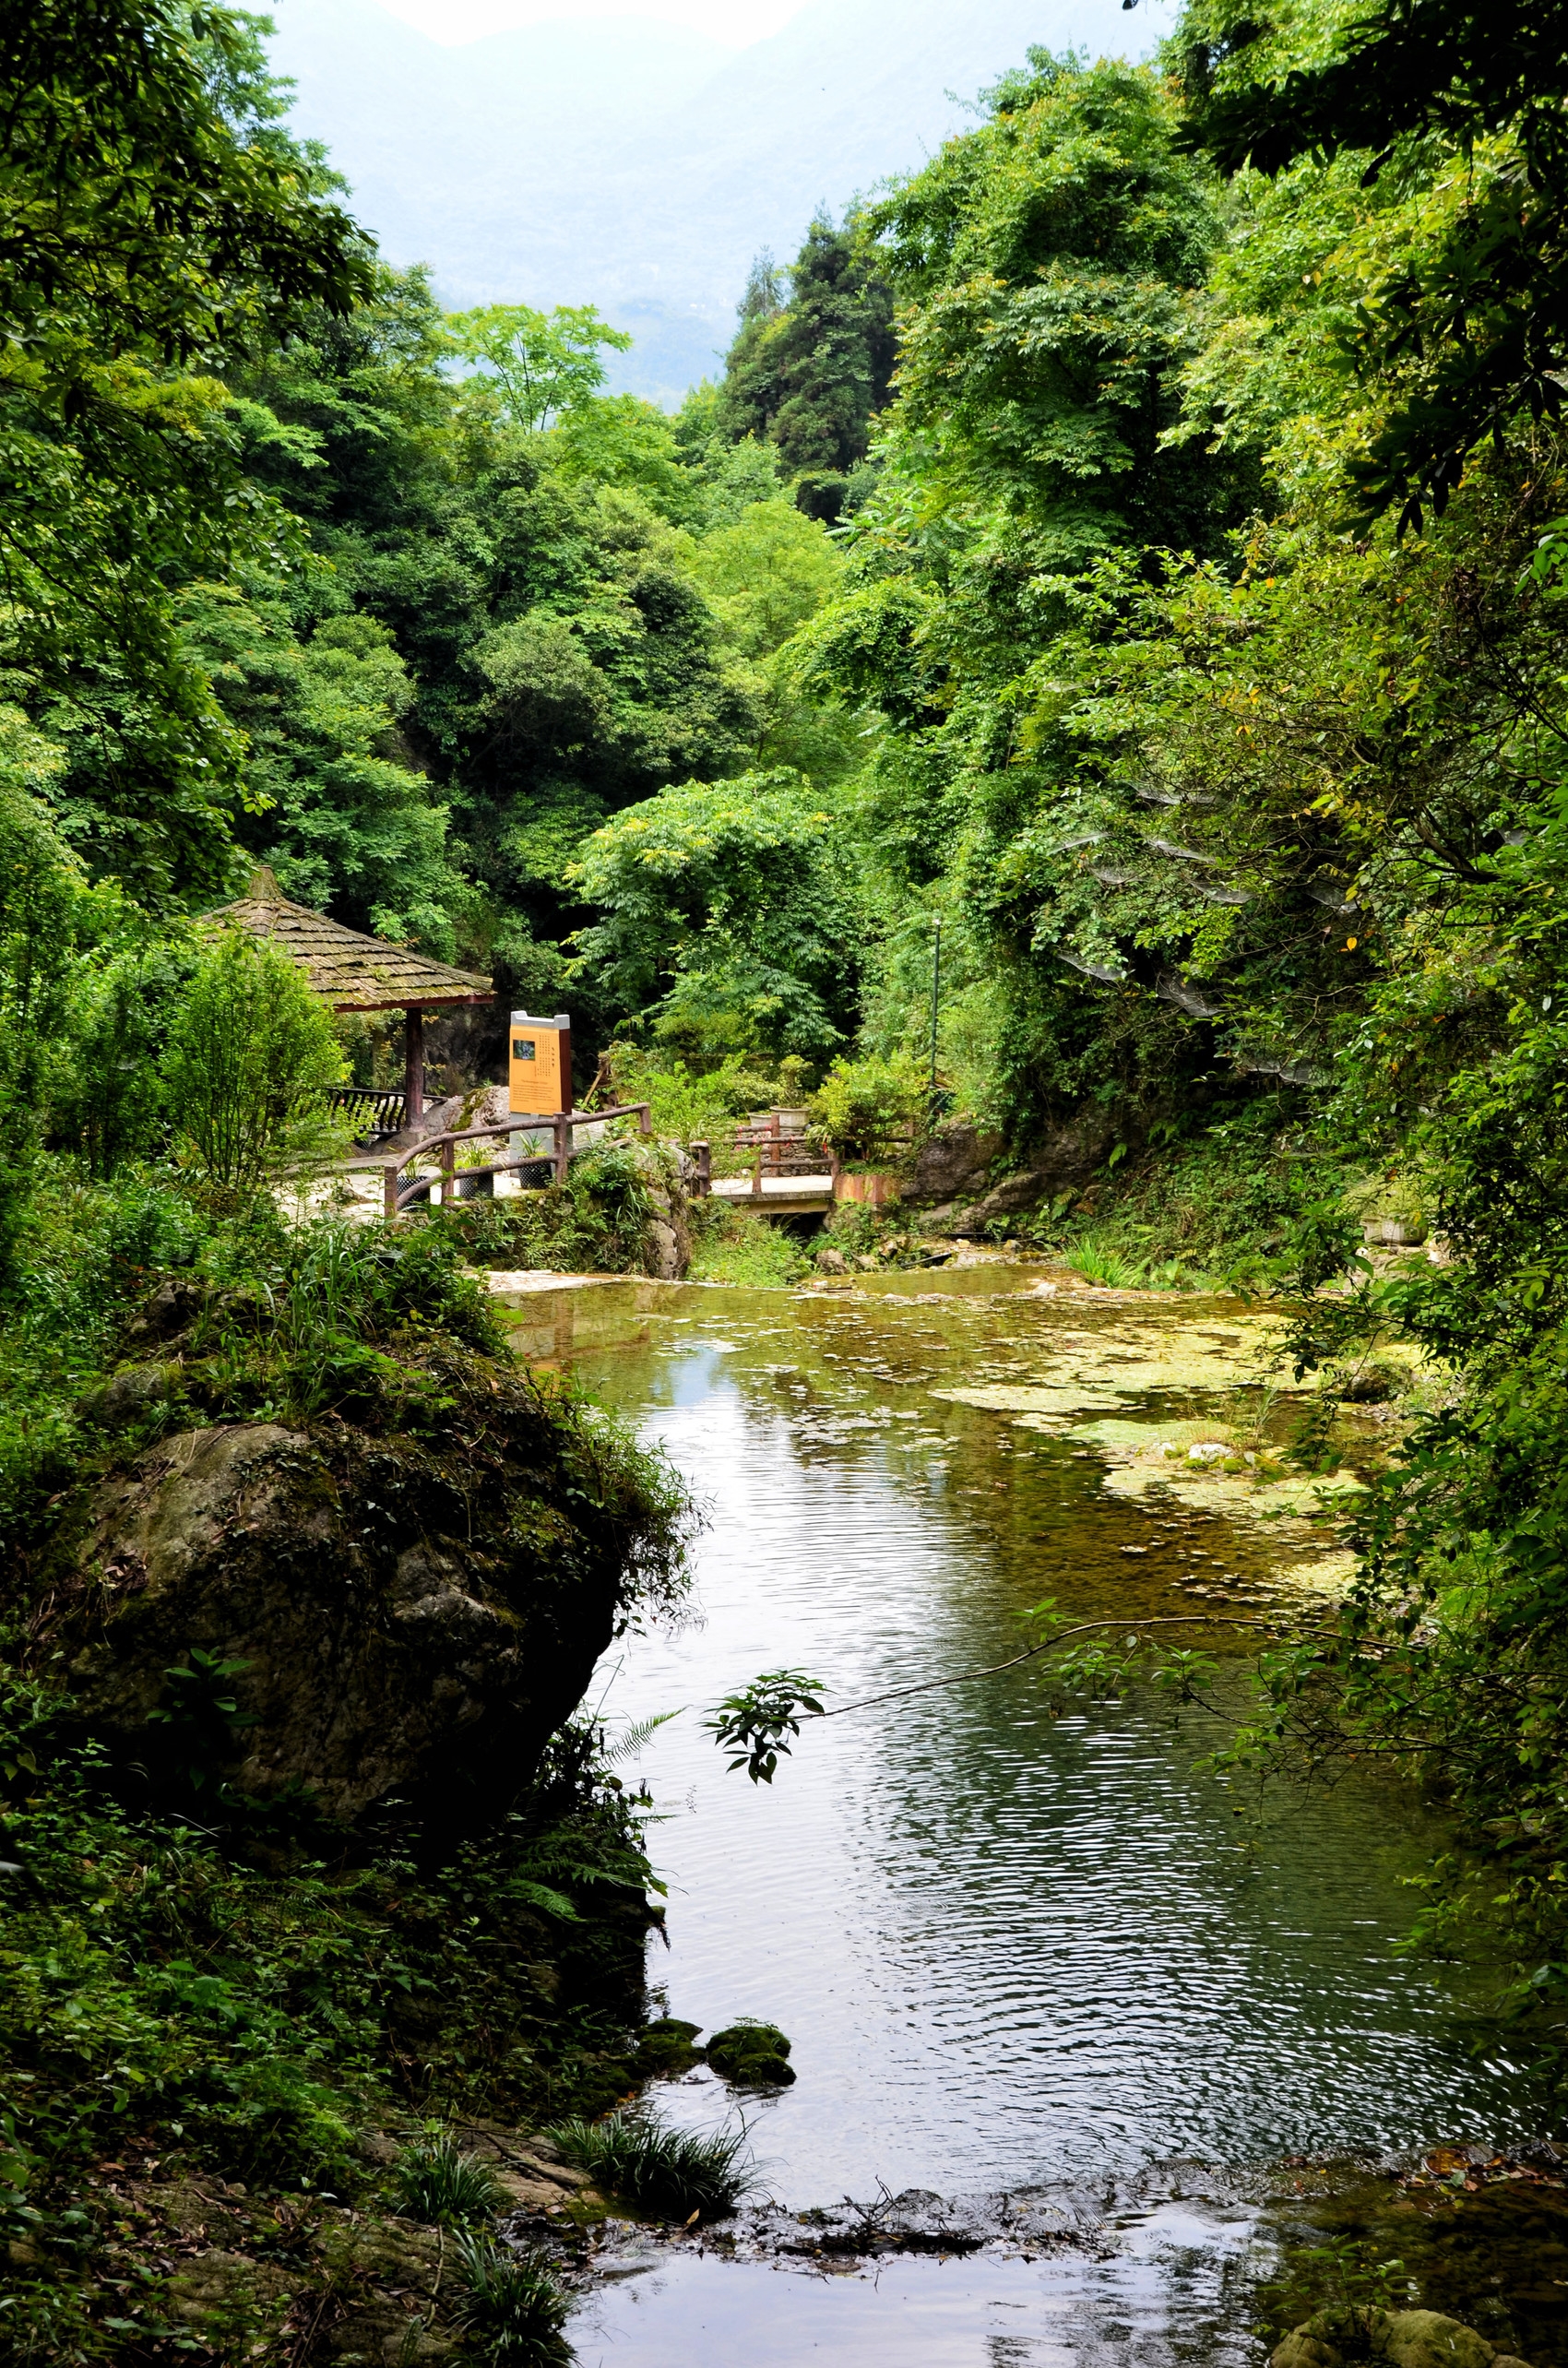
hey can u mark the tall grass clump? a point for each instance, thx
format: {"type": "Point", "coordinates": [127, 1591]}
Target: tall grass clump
{"type": "Point", "coordinates": [1100, 1261]}
{"type": "Point", "coordinates": [436, 2180]}
{"type": "Point", "coordinates": [672, 2172]}
{"type": "Point", "coordinates": [513, 2308]}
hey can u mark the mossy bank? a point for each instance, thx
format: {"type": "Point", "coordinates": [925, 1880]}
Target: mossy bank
{"type": "Point", "coordinates": [302, 1850]}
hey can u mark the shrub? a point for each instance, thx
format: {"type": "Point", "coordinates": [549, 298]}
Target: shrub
{"type": "Point", "coordinates": [675, 2173]}
{"type": "Point", "coordinates": [250, 1056]}
{"type": "Point", "coordinates": [868, 1110]}
{"type": "Point", "coordinates": [436, 2180]}
{"type": "Point", "coordinates": [733, 1246]}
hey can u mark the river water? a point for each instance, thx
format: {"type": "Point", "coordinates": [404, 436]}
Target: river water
{"type": "Point", "coordinates": [1010, 1950]}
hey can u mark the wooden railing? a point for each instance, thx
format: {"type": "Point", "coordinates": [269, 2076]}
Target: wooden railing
{"type": "Point", "coordinates": [776, 1153]}
{"type": "Point", "coordinates": [770, 1152]}
{"type": "Point", "coordinates": [373, 1113]}
{"type": "Point", "coordinates": [400, 1192]}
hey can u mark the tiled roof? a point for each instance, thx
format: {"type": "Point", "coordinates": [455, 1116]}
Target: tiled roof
{"type": "Point", "coordinates": [351, 972]}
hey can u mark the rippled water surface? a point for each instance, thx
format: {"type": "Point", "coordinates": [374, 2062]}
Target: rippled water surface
{"type": "Point", "coordinates": [1006, 1949]}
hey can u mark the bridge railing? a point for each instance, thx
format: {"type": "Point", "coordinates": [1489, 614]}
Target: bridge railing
{"type": "Point", "coordinates": [771, 1146]}
{"type": "Point", "coordinates": [400, 1190]}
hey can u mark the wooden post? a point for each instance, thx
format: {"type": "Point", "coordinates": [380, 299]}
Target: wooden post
{"type": "Point", "coordinates": [563, 1147]}
{"type": "Point", "coordinates": [413, 1067]}
{"type": "Point", "coordinates": [564, 1023]}
{"type": "Point", "coordinates": [703, 1154]}
{"type": "Point", "coordinates": [389, 1187]}
{"type": "Point", "coordinates": [645, 1118]}
{"type": "Point", "coordinates": [448, 1174]}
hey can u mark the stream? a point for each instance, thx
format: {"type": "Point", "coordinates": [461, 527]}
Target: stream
{"type": "Point", "coordinates": [1014, 1953]}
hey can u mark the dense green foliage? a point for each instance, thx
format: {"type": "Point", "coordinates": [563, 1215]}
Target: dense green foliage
{"type": "Point", "coordinates": [158, 223]}
{"type": "Point", "coordinates": [810, 374]}
{"type": "Point", "coordinates": [250, 1057]}
{"type": "Point", "coordinates": [1188, 638]}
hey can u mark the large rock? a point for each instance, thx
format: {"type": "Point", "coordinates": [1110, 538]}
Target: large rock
{"type": "Point", "coordinates": [417, 1612]}
{"type": "Point", "coordinates": [475, 1106]}
{"type": "Point", "coordinates": [1398, 2339]}
{"type": "Point", "coordinates": [951, 1161]}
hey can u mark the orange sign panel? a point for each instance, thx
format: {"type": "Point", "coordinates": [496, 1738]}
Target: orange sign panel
{"type": "Point", "coordinates": [539, 1070]}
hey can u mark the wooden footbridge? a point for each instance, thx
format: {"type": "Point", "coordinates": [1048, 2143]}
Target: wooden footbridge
{"type": "Point", "coordinates": [789, 1177]}
{"type": "Point", "coordinates": [783, 1175]}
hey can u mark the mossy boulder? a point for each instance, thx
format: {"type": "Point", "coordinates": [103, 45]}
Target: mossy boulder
{"type": "Point", "coordinates": [668, 2047]}
{"type": "Point", "coordinates": [1335, 2339]}
{"type": "Point", "coordinates": [754, 2055]}
{"type": "Point", "coordinates": [418, 1597]}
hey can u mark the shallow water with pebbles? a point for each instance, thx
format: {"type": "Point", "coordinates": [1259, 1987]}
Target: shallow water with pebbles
{"type": "Point", "coordinates": [1013, 1951]}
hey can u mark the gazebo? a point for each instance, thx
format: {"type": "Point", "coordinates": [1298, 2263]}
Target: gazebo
{"type": "Point", "coordinates": [353, 973]}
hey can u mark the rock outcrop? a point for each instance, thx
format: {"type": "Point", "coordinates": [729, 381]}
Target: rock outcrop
{"type": "Point", "coordinates": [1063, 1163]}
{"type": "Point", "coordinates": [951, 1161]}
{"type": "Point", "coordinates": [417, 1607]}
{"type": "Point", "coordinates": [959, 1161]}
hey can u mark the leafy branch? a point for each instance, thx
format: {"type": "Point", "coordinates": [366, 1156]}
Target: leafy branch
{"type": "Point", "coordinates": [757, 1719]}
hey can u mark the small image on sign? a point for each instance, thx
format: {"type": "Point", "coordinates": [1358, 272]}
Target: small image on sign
{"type": "Point", "coordinates": [523, 1049]}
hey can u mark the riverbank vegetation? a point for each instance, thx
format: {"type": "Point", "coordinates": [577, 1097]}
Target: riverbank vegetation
{"type": "Point", "coordinates": [1137, 541]}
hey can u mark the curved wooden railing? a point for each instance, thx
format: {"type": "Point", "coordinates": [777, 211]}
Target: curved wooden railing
{"type": "Point", "coordinates": [400, 1192]}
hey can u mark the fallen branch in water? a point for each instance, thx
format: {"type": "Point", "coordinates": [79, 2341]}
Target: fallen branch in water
{"type": "Point", "coordinates": [755, 1722]}
{"type": "Point", "coordinates": [1084, 1628]}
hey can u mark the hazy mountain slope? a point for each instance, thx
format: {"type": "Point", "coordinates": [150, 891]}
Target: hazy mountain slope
{"type": "Point", "coordinates": [640, 166]}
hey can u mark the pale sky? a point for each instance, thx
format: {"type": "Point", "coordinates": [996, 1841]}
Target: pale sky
{"type": "Point", "coordinates": [735, 21]}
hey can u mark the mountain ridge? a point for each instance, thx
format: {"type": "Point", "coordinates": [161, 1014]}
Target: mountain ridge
{"type": "Point", "coordinates": [639, 165]}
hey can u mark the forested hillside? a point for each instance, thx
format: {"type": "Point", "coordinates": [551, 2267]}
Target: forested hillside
{"type": "Point", "coordinates": [1136, 539]}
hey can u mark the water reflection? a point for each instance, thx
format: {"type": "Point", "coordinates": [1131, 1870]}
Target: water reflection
{"type": "Point", "coordinates": [1006, 1949]}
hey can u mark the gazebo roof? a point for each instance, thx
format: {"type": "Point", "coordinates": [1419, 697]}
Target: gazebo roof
{"type": "Point", "coordinates": [348, 970]}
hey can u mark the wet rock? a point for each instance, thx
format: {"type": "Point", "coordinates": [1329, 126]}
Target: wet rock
{"type": "Point", "coordinates": [1426, 2339]}
{"type": "Point", "coordinates": [1025, 2222]}
{"type": "Point", "coordinates": [752, 2055]}
{"type": "Point", "coordinates": [413, 1619]}
{"type": "Point", "coordinates": [832, 1262]}
{"type": "Point", "coordinates": [668, 2047]}
{"type": "Point", "coordinates": [1303, 2349]}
